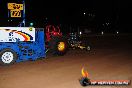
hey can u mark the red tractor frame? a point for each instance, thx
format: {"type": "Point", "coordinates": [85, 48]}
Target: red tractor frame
{"type": "Point", "coordinates": [55, 41]}
{"type": "Point", "coordinates": [52, 31]}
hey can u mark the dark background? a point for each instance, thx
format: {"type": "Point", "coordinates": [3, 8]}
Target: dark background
{"type": "Point", "coordinates": [106, 15]}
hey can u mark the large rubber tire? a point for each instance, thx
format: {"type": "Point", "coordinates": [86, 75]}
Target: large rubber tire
{"type": "Point", "coordinates": [54, 43]}
{"type": "Point", "coordinates": [7, 56]}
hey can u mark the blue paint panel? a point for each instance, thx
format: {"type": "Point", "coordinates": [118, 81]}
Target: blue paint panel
{"type": "Point", "coordinates": [28, 50]}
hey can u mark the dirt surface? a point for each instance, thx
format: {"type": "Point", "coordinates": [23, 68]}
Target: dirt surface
{"type": "Point", "coordinates": [109, 59]}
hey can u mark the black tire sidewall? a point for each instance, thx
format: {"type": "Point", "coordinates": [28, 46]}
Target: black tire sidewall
{"type": "Point", "coordinates": [8, 50]}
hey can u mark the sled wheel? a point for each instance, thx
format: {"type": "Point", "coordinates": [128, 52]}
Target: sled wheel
{"type": "Point", "coordinates": [7, 56]}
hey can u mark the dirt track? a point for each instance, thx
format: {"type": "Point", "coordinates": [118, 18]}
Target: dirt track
{"type": "Point", "coordinates": [110, 58]}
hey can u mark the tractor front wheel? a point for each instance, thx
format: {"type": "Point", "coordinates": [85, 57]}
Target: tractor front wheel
{"type": "Point", "coordinates": [58, 46]}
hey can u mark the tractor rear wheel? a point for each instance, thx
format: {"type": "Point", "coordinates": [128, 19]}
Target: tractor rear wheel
{"type": "Point", "coordinates": [58, 45]}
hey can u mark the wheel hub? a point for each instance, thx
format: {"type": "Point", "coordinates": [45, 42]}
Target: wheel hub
{"type": "Point", "coordinates": [7, 57]}
{"type": "Point", "coordinates": [61, 46]}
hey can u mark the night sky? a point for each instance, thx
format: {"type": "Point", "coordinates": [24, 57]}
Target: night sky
{"type": "Point", "coordinates": [97, 12]}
